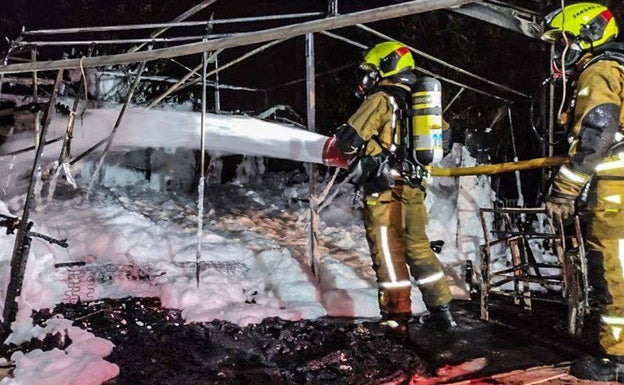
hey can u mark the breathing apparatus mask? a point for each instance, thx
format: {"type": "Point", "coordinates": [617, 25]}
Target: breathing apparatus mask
{"type": "Point", "coordinates": [566, 54]}
{"type": "Point", "coordinates": [576, 30]}
{"type": "Point", "coordinates": [369, 77]}
{"type": "Point", "coordinates": [383, 61]}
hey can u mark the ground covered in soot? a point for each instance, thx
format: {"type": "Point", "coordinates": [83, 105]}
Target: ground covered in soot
{"type": "Point", "coordinates": [155, 346]}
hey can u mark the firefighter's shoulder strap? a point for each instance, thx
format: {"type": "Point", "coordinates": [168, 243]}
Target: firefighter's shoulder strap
{"type": "Point", "coordinates": [609, 51]}
{"type": "Point", "coordinates": [402, 99]}
{"type": "Point", "coordinates": [400, 94]}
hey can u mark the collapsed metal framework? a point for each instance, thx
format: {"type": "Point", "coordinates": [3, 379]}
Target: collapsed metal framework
{"type": "Point", "coordinates": [524, 278]}
{"type": "Point", "coordinates": [215, 44]}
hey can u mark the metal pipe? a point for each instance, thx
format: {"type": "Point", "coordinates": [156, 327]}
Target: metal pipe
{"type": "Point", "coordinates": [180, 18]}
{"type": "Point", "coordinates": [427, 72]}
{"type": "Point", "coordinates": [367, 16]}
{"type": "Point", "coordinates": [27, 82]}
{"type": "Point", "coordinates": [5, 62]}
{"type": "Point", "coordinates": [461, 90]}
{"type": "Point", "coordinates": [245, 56]}
{"type": "Point", "coordinates": [35, 89]}
{"type": "Point", "coordinates": [337, 69]}
{"type": "Point", "coordinates": [117, 124]}
{"type": "Point", "coordinates": [314, 255]}
{"type": "Point", "coordinates": [169, 25]}
{"type": "Point", "coordinates": [442, 62]}
{"type": "Point", "coordinates": [202, 171]}
{"type": "Point", "coordinates": [22, 60]}
{"type": "Point", "coordinates": [69, 131]}
{"type": "Point", "coordinates": [21, 246]}
{"type": "Point", "coordinates": [332, 9]}
{"type": "Point", "coordinates": [177, 84]}
{"type": "Point", "coordinates": [517, 8]}
{"type": "Point", "coordinates": [345, 39]}
{"type": "Point", "coordinates": [166, 79]}
{"type": "Point", "coordinates": [551, 110]}
{"type": "Point", "coordinates": [121, 41]}
{"type": "Point", "coordinates": [217, 93]}
{"type": "Point", "coordinates": [20, 151]}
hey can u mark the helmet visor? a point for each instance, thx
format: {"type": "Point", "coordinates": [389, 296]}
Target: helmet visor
{"type": "Point", "coordinates": [568, 54]}
{"type": "Point", "coordinates": [368, 67]}
{"type": "Point", "coordinates": [369, 77]}
{"type": "Point", "coordinates": [567, 50]}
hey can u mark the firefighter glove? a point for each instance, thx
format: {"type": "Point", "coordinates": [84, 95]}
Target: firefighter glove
{"type": "Point", "coordinates": [562, 205]}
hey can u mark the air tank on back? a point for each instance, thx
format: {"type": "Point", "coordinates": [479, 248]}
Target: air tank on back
{"type": "Point", "coordinates": [426, 121]}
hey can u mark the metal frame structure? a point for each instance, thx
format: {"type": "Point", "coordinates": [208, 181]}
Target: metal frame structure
{"type": "Point", "coordinates": [215, 44]}
{"type": "Point", "coordinates": [524, 272]}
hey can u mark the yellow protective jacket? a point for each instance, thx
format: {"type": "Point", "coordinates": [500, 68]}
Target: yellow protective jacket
{"type": "Point", "coordinates": [376, 116]}
{"type": "Point", "coordinates": [379, 116]}
{"type": "Point", "coordinates": [598, 116]}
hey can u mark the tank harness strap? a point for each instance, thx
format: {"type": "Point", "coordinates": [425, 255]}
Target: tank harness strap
{"type": "Point", "coordinates": [400, 100]}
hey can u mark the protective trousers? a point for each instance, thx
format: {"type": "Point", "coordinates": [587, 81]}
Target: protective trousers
{"type": "Point", "coordinates": [606, 236]}
{"type": "Point", "coordinates": [395, 229]}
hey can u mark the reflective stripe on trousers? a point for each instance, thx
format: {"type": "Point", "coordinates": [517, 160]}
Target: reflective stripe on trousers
{"type": "Point", "coordinates": [605, 234]}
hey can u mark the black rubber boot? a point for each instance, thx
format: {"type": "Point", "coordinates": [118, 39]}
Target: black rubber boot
{"type": "Point", "coordinates": [395, 327]}
{"type": "Point", "coordinates": [608, 368]}
{"type": "Point", "coordinates": [439, 317]}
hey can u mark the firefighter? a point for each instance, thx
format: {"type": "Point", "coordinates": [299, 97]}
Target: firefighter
{"type": "Point", "coordinates": [394, 212]}
{"type": "Point", "coordinates": [586, 54]}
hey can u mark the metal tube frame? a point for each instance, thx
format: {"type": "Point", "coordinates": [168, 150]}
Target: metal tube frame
{"type": "Point", "coordinates": [417, 68]}
{"type": "Point", "coordinates": [109, 139]}
{"type": "Point", "coordinates": [214, 71]}
{"type": "Point", "coordinates": [283, 32]}
{"type": "Point", "coordinates": [64, 31]}
{"type": "Point", "coordinates": [519, 273]}
{"type": "Point", "coordinates": [55, 43]}
{"type": "Point", "coordinates": [202, 171]}
{"type": "Point", "coordinates": [21, 247]}
{"type": "Point", "coordinates": [314, 255]}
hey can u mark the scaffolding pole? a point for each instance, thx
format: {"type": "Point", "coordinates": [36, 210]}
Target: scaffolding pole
{"type": "Point", "coordinates": [109, 140]}
{"type": "Point", "coordinates": [69, 132]}
{"type": "Point", "coordinates": [27, 81]}
{"type": "Point", "coordinates": [445, 64]}
{"type": "Point", "coordinates": [179, 85]}
{"type": "Point", "coordinates": [166, 79]}
{"type": "Point", "coordinates": [217, 92]}
{"type": "Point", "coordinates": [202, 172]}
{"type": "Point", "coordinates": [143, 40]}
{"type": "Point", "coordinates": [21, 247]}
{"type": "Point", "coordinates": [422, 70]}
{"type": "Point", "coordinates": [35, 89]}
{"type": "Point", "coordinates": [367, 16]}
{"type": "Point", "coordinates": [64, 31]}
{"type": "Point", "coordinates": [314, 255]}
{"type": "Point", "coordinates": [180, 18]}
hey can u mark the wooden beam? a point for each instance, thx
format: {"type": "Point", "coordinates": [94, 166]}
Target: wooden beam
{"type": "Point", "coordinates": [367, 16]}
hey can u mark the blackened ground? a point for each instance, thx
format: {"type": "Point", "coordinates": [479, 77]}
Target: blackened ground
{"type": "Point", "coordinates": [154, 346]}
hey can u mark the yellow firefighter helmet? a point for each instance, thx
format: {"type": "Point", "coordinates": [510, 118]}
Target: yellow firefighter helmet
{"type": "Point", "coordinates": [388, 58]}
{"type": "Point", "coordinates": [585, 26]}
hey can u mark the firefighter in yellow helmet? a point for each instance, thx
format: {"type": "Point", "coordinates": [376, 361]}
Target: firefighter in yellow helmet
{"type": "Point", "coordinates": [394, 214]}
{"type": "Point", "coordinates": [586, 52]}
